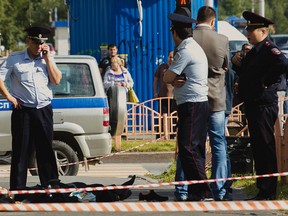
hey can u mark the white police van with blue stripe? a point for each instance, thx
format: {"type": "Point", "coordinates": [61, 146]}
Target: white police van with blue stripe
{"type": "Point", "coordinates": [84, 118]}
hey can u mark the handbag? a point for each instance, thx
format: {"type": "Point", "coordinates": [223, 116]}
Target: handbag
{"type": "Point", "coordinates": [132, 97]}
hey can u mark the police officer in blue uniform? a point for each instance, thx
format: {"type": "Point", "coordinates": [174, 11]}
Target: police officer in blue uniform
{"type": "Point", "coordinates": [31, 72]}
{"type": "Point", "coordinates": [259, 76]}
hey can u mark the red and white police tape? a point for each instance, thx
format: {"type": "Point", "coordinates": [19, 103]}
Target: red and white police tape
{"type": "Point", "coordinates": [67, 190]}
{"type": "Point", "coordinates": [144, 206]}
{"type": "Point", "coordinates": [98, 158]}
{"type": "Point", "coordinates": [148, 206]}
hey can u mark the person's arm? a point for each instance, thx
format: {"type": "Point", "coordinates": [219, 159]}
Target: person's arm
{"type": "Point", "coordinates": [236, 62]}
{"type": "Point", "coordinates": [169, 77]}
{"type": "Point", "coordinates": [4, 91]}
{"type": "Point", "coordinates": [54, 73]}
{"type": "Point", "coordinates": [129, 81]}
{"type": "Point", "coordinates": [174, 79]}
{"type": "Point", "coordinates": [5, 70]}
{"type": "Point", "coordinates": [108, 80]}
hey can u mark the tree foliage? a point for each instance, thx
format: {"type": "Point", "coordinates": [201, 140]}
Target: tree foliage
{"type": "Point", "coordinates": [276, 10]}
{"type": "Point", "coordinates": [16, 15]}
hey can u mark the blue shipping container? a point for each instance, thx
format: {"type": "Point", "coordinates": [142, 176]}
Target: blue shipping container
{"type": "Point", "coordinates": [143, 37]}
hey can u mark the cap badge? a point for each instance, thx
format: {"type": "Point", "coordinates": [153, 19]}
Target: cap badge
{"type": "Point", "coordinates": [40, 36]}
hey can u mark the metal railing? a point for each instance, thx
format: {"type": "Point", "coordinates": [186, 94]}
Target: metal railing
{"type": "Point", "coordinates": [146, 120]}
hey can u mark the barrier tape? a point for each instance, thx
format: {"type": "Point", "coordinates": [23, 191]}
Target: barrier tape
{"type": "Point", "coordinates": [149, 206]}
{"type": "Point", "coordinates": [98, 158]}
{"type": "Point", "coordinates": [67, 190]}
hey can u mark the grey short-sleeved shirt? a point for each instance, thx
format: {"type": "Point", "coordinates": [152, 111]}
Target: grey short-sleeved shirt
{"type": "Point", "coordinates": [190, 59]}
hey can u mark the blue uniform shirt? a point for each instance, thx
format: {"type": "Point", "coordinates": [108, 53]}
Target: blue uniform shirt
{"type": "Point", "coordinates": [191, 60]}
{"type": "Point", "coordinates": [29, 81]}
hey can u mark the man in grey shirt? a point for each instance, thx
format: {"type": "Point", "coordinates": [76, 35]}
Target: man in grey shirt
{"type": "Point", "coordinates": [188, 73]}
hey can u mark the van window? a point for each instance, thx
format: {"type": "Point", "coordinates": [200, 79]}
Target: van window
{"type": "Point", "coordinates": [76, 81]}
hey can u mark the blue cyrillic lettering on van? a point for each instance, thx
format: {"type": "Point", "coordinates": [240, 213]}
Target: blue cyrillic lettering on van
{"type": "Point", "coordinates": [66, 103]}
{"type": "Point", "coordinates": [5, 105]}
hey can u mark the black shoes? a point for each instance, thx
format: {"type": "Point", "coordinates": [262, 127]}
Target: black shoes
{"type": "Point", "coordinates": [193, 198]}
{"type": "Point", "coordinates": [151, 196]}
{"type": "Point", "coordinates": [130, 182]}
{"type": "Point", "coordinates": [259, 197]}
{"type": "Point", "coordinates": [124, 194]}
{"type": "Point", "coordinates": [227, 197]}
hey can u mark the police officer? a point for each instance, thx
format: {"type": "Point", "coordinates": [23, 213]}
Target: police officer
{"type": "Point", "coordinates": [259, 75]}
{"type": "Point", "coordinates": [188, 73]}
{"type": "Point", "coordinates": [31, 72]}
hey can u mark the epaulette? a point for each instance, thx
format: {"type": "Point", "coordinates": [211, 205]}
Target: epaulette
{"type": "Point", "coordinates": [267, 43]}
{"type": "Point", "coordinates": [274, 50]}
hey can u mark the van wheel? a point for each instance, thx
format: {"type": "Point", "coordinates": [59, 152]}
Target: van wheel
{"type": "Point", "coordinates": [64, 154]}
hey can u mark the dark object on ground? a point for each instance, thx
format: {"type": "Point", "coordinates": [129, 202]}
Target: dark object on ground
{"type": "Point", "coordinates": [101, 196]}
{"type": "Point", "coordinates": [6, 199]}
{"type": "Point", "coordinates": [240, 153]}
{"type": "Point", "coordinates": [151, 196]}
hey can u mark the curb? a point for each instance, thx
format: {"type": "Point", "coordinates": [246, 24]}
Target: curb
{"type": "Point", "coordinates": [143, 157]}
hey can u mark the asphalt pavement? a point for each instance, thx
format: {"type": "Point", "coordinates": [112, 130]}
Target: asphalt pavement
{"type": "Point", "coordinates": [120, 169]}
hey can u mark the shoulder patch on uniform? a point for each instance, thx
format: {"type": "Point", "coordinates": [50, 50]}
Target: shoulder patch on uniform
{"type": "Point", "coordinates": [276, 51]}
{"type": "Point", "coordinates": [176, 57]}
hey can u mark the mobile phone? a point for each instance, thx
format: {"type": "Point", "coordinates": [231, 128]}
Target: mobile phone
{"type": "Point", "coordinates": [182, 76]}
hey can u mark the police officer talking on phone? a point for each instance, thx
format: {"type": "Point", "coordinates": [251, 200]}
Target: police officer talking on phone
{"type": "Point", "coordinates": [259, 77]}
{"type": "Point", "coordinates": [31, 73]}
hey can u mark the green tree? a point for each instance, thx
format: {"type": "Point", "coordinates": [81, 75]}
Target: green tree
{"type": "Point", "coordinates": [16, 15]}
{"type": "Point", "coordinates": [277, 10]}
{"type": "Point", "coordinates": [277, 14]}
{"type": "Point", "coordinates": [8, 28]}
{"type": "Point", "coordinates": [229, 7]}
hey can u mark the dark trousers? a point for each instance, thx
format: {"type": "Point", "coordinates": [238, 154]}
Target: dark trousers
{"type": "Point", "coordinates": [261, 120]}
{"type": "Point", "coordinates": [32, 129]}
{"type": "Point", "coordinates": [192, 134]}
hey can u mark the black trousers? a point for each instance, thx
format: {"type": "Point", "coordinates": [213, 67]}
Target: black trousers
{"type": "Point", "coordinates": [32, 129]}
{"type": "Point", "coordinates": [261, 120]}
{"type": "Point", "coordinates": [192, 134]}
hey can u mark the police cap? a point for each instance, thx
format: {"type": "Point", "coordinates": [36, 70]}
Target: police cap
{"type": "Point", "coordinates": [182, 18]}
{"type": "Point", "coordinates": [255, 21]}
{"type": "Point", "coordinates": [39, 34]}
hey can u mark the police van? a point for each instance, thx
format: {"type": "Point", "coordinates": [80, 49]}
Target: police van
{"type": "Point", "coordinates": [85, 119]}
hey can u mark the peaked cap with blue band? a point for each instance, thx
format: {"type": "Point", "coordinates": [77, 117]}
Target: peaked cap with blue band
{"type": "Point", "coordinates": [39, 34]}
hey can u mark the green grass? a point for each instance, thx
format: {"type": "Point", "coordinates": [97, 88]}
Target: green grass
{"type": "Point", "coordinates": [249, 185]}
{"type": "Point", "coordinates": [148, 146]}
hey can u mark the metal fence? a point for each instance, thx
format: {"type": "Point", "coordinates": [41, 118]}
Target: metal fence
{"type": "Point", "coordinates": [146, 120]}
